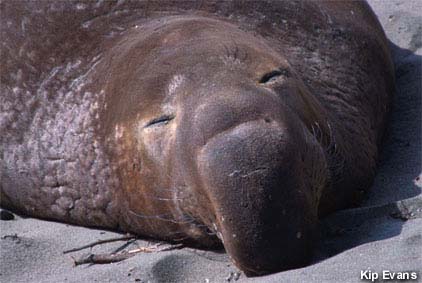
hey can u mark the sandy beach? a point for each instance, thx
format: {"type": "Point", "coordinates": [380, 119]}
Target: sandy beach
{"type": "Point", "coordinates": [384, 234]}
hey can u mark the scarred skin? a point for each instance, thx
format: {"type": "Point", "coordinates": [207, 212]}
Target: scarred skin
{"type": "Point", "coordinates": [228, 122]}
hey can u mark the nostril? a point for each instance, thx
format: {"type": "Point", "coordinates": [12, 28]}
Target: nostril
{"type": "Point", "coordinates": [267, 120]}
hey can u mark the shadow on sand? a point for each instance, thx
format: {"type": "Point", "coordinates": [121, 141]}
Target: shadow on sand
{"type": "Point", "coordinates": [393, 198]}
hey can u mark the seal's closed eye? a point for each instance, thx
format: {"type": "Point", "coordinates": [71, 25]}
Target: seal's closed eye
{"type": "Point", "coordinates": [273, 75]}
{"type": "Point", "coordinates": [162, 120]}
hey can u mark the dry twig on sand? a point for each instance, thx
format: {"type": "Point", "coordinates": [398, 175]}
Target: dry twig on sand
{"type": "Point", "coordinates": [110, 258]}
{"type": "Point", "coordinates": [125, 238]}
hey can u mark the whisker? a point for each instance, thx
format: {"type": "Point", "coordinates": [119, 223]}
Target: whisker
{"type": "Point", "coordinates": [162, 217]}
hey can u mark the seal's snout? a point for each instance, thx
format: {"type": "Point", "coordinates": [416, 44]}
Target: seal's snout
{"type": "Point", "coordinates": [265, 214]}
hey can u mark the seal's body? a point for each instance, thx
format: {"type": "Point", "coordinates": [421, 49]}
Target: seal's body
{"type": "Point", "coordinates": [202, 122]}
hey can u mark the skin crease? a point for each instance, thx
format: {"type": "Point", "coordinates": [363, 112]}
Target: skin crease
{"type": "Point", "coordinates": [195, 126]}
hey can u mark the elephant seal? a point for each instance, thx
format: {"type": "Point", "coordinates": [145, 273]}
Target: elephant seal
{"type": "Point", "coordinates": [206, 122]}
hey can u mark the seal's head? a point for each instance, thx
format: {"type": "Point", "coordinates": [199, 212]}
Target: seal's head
{"type": "Point", "coordinates": [216, 139]}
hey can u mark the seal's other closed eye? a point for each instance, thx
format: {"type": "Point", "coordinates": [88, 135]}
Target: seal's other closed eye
{"type": "Point", "coordinates": [162, 120]}
{"type": "Point", "coordinates": [273, 75]}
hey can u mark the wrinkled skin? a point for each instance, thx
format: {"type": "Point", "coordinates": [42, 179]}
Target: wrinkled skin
{"type": "Point", "coordinates": [233, 123]}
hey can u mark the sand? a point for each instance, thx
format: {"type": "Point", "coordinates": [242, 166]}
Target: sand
{"type": "Point", "coordinates": [384, 234]}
